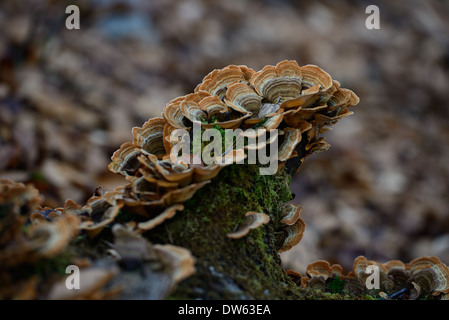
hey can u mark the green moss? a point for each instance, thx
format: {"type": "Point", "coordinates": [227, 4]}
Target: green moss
{"type": "Point", "coordinates": [314, 294]}
{"type": "Point", "coordinates": [54, 265]}
{"type": "Point", "coordinates": [37, 176]}
{"type": "Point", "coordinates": [124, 216]}
{"type": "Point", "coordinates": [44, 268]}
{"type": "Point", "coordinates": [228, 268]}
{"type": "Point", "coordinates": [335, 285]}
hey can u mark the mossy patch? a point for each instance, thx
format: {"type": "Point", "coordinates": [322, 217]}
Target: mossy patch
{"type": "Point", "coordinates": [43, 271]}
{"type": "Point", "coordinates": [335, 285]}
{"type": "Point", "coordinates": [232, 268]}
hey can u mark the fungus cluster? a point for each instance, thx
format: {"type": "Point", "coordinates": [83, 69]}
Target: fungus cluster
{"type": "Point", "coordinates": [37, 244]}
{"type": "Point", "coordinates": [421, 278]}
{"type": "Point", "coordinates": [299, 102]}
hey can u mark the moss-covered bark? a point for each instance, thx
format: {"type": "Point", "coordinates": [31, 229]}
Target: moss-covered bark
{"type": "Point", "coordinates": [232, 268]}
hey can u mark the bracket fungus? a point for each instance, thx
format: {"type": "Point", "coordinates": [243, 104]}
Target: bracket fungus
{"type": "Point", "coordinates": [292, 227]}
{"type": "Point", "coordinates": [165, 189]}
{"type": "Point", "coordinates": [253, 221]}
{"type": "Point", "coordinates": [199, 229]}
{"type": "Point", "coordinates": [230, 98]}
{"type": "Point", "coordinates": [38, 244]}
{"type": "Point", "coordinates": [423, 277]}
{"type": "Point", "coordinates": [320, 273]}
{"type": "Point", "coordinates": [298, 101]}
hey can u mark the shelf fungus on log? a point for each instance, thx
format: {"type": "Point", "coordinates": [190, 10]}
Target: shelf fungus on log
{"type": "Point", "coordinates": [297, 101]}
{"type": "Point", "coordinates": [424, 277]}
{"type": "Point", "coordinates": [253, 221]}
{"type": "Point", "coordinates": [37, 245]}
{"type": "Point", "coordinates": [28, 245]}
{"type": "Point", "coordinates": [319, 273]}
{"type": "Point", "coordinates": [166, 214]}
{"type": "Point", "coordinates": [22, 241]}
{"type": "Point", "coordinates": [18, 197]}
{"type": "Point", "coordinates": [291, 229]}
{"type": "Point", "coordinates": [178, 200]}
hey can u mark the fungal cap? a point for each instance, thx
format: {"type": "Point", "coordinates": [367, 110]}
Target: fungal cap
{"type": "Point", "coordinates": [253, 221]}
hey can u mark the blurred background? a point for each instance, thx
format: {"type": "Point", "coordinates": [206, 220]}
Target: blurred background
{"type": "Point", "coordinates": [69, 98]}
